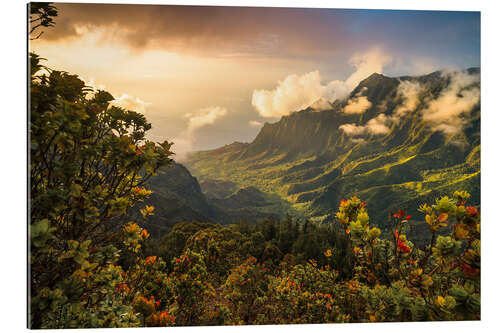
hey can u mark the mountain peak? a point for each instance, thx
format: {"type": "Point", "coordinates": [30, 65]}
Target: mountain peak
{"type": "Point", "coordinates": [374, 79]}
{"type": "Point", "coordinates": [377, 85]}
{"type": "Point", "coordinates": [375, 76]}
{"type": "Point", "coordinates": [321, 104]}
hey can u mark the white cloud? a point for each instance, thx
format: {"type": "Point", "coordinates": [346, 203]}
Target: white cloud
{"type": "Point", "coordinates": [255, 123]}
{"type": "Point", "coordinates": [125, 101]}
{"type": "Point", "coordinates": [91, 83]}
{"type": "Point", "coordinates": [321, 105]}
{"type": "Point", "coordinates": [366, 64]}
{"type": "Point", "coordinates": [357, 104]}
{"type": "Point", "coordinates": [206, 116]}
{"type": "Point", "coordinates": [297, 92]}
{"type": "Point", "coordinates": [376, 126]}
{"type": "Point", "coordinates": [409, 91]}
{"type": "Point", "coordinates": [352, 129]}
{"type": "Point", "coordinates": [292, 94]}
{"type": "Point", "coordinates": [449, 112]}
{"type": "Point", "coordinates": [184, 142]}
{"type": "Point", "coordinates": [358, 140]}
{"type": "Point", "coordinates": [129, 102]}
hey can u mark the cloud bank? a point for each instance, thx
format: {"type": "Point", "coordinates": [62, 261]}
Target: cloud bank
{"type": "Point", "coordinates": [292, 94]}
{"type": "Point", "coordinates": [206, 116]}
{"type": "Point", "coordinates": [297, 92]}
{"type": "Point", "coordinates": [378, 125]}
{"type": "Point", "coordinates": [131, 103]}
{"type": "Point", "coordinates": [215, 30]}
{"type": "Point", "coordinates": [321, 105]}
{"type": "Point", "coordinates": [184, 142]}
{"type": "Point", "coordinates": [357, 104]}
{"type": "Point", "coordinates": [124, 101]}
{"type": "Point", "coordinates": [450, 111]}
{"type": "Point", "coordinates": [409, 92]}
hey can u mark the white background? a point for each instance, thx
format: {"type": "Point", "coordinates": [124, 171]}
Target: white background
{"type": "Point", "coordinates": [13, 164]}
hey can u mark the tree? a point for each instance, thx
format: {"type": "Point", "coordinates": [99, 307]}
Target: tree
{"type": "Point", "coordinates": [40, 15]}
{"type": "Point", "coordinates": [89, 161]}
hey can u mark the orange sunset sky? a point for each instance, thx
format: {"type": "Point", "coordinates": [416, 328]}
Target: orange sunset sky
{"type": "Point", "coordinates": [208, 76]}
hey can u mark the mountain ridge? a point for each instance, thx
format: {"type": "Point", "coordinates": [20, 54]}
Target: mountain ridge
{"type": "Point", "coordinates": [310, 162]}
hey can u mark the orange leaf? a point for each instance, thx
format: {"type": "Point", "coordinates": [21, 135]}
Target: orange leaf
{"type": "Point", "coordinates": [442, 217]}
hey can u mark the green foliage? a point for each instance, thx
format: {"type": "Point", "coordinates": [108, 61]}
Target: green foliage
{"type": "Point", "coordinates": [86, 161]}
{"type": "Point", "coordinates": [245, 290]}
{"type": "Point", "coordinates": [304, 294]}
{"type": "Point", "coordinates": [224, 248]}
{"type": "Point", "coordinates": [191, 288]}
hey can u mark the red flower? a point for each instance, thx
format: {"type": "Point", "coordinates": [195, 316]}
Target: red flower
{"type": "Point", "coordinates": [400, 214]}
{"type": "Point", "coordinates": [396, 235]}
{"type": "Point", "coordinates": [472, 211]}
{"type": "Point", "coordinates": [121, 286]}
{"type": "Point", "coordinates": [402, 247]}
{"type": "Point", "coordinates": [151, 260]}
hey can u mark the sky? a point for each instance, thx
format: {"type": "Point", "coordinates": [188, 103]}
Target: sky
{"type": "Point", "coordinates": [209, 76]}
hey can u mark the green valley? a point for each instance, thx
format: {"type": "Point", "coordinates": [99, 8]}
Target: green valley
{"type": "Point", "coordinates": [310, 163]}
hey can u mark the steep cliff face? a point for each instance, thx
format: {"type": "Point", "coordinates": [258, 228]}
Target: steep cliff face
{"type": "Point", "coordinates": [177, 180]}
{"type": "Point", "coordinates": [391, 156]}
{"type": "Point", "coordinates": [177, 197]}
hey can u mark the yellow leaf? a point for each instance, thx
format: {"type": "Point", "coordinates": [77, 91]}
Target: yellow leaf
{"type": "Point", "coordinates": [461, 232]}
{"type": "Point", "coordinates": [440, 301]}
